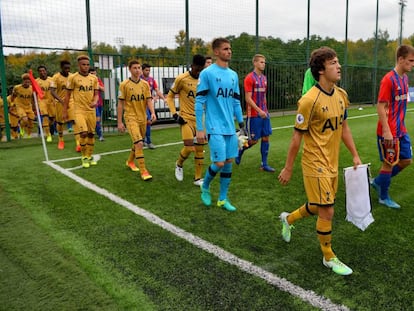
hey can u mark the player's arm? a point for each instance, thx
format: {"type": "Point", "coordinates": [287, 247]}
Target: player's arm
{"type": "Point", "coordinates": [171, 102]}
{"type": "Point", "coordinates": [249, 100]}
{"type": "Point", "coordinates": [120, 111]}
{"type": "Point", "coordinates": [199, 112]}
{"type": "Point", "coordinates": [384, 101]}
{"type": "Point", "coordinates": [382, 108]}
{"type": "Point", "coordinates": [66, 104]}
{"type": "Point", "coordinates": [55, 95]}
{"type": "Point", "coordinates": [293, 150]}
{"type": "Point", "coordinates": [101, 85]}
{"type": "Point", "coordinates": [150, 105]}
{"type": "Point", "coordinates": [349, 143]}
{"type": "Point", "coordinates": [95, 98]}
{"type": "Point", "coordinates": [160, 95]}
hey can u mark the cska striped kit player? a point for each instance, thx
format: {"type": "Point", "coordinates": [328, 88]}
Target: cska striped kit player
{"type": "Point", "coordinates": [393, 141]}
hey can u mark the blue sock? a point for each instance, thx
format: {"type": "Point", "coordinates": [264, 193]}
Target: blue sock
{"type": "Point", "coordinates": [212, 171]}
{"type": "Point", "coordinates": [264, 149]}
{"type": "Point", "coordinates": [98, 128]}
{"type": "Point", "coordinates": [225, 179]}
{"type": "Point", "coordinates": [384, 181]}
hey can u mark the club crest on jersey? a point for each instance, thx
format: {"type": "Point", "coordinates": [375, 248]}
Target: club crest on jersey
{"type": "Point", "coordinates": [300, 118]}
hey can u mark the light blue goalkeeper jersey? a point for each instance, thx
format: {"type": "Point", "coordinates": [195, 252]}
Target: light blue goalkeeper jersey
{"type": "Point", "coordinates": [218, 96]}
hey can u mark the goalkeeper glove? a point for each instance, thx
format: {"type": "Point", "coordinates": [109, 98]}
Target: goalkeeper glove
{"type": "Point", "coordinates": [179, 119]}
{"type": "Point", "coordinates": [242, 136]}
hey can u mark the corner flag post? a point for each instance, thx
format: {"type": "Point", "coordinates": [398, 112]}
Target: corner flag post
{"type": "Point", "coordinates": [37, 92]}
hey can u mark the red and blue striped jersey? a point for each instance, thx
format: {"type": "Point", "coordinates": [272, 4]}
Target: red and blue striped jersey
{"type": "Point", "coordinates": [257, 85]}
{"type": "Point", "coordinates": [394, 91]}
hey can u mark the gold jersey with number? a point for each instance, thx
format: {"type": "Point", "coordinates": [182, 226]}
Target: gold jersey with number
{"type": "Point", "coordinates": [135, 96]}
{"type": "Point", "coordinates": [186, 87]}
{"type": "Point", "coordinates": [83, 91]}
{"type": "Point", "coordinates": [320, 116]}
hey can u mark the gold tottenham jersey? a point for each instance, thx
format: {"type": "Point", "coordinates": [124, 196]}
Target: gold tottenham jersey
{"type": "Point", "coordinates": [135, 95]}
{"type": "Point", "coordinates": [186, 87]}
{"type": "Point", "coordinates": [83, 90]}
{"type": "Point", "coordinates": [320, 116]}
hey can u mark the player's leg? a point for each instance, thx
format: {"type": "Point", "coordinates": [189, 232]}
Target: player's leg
{"type": "Point", "coordinates": [60, 126]}
{"type": "Point", "coordinates": [148, 140]}
{"type": "Point", "coordinates": [198, 163]}
{"type": "Point", "coordinates": [266, 131]}
{"type": "Point", "coordinates": [98, 128]}
{"type": "Point", "coordinates": [90, 118]}
{"type": "Point", "coordinates": [137, 133]}
{"type": "Point", "coordinates": [188, 148]}
{"type": "Point", "coordinates": [383, 181]}
{"type": "Point", "coordinates": [131, 160]}
{"type": "Point", "coordinates": [217, 156]}
{"type": "Point", "coordinates": [231, 145]}
{"type": "Point", "coordinates": [14, 125]}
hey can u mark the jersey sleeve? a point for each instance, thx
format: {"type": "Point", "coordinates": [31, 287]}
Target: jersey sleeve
{"type": "Point", "coordinates": [303, 114]}
{"type": "Point", "coordinates": [121, 91]}
{"type": "Point", "coordinates": [201, 98]}
{"type": "Point", "coordinates": [248, 85]}
{"type": "Point", "coordinates": [70, 83]}
{"type": "Point", "coordinates": [385, 91]}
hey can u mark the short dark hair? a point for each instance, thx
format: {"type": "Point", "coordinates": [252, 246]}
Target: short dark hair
{"type": "Point", "coordinates": [145, 65]}
{"type": "Point", "coordinates": [199, 60]}
{"type": "Point", "coordinates": [41, 66]}
{"type": "Point", "coordinates": [91, 69]}
{"type": "Point", "coordinates": [318, 58]}
{"type": "Point", "coordinates": [218, 42]}
{"type": "Point", "coordinates": [64, 62]}
{"type": "Point", "coordinates": [404, 50]}
{"type": "Point", "coordinates": [133, 62]}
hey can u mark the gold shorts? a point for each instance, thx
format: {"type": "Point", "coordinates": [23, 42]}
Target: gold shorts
{"type": "Point", "coordinates": [136, 130]}
{"type": "Point", "coordinates": [85, 121]}
{"type": "Point", "coordinates": [59, 112]}
{"type": "Point", "coordinates": [321, 191]}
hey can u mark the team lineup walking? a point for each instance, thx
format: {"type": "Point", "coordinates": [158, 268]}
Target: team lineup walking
{"type": "Point", "coordinates": [206, 102]}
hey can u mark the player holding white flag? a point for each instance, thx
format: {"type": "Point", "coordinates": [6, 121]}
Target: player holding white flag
{"type": "Point", "coordinates": [321, 121]}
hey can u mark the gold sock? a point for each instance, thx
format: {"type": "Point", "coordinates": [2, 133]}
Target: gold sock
{"type": "Point", "coordinates": [90, 146]}
{"type": "Point", "coordinates": [304, 211]}
{"type": "Point", "coordinates": [324, 231]}
{"type": "Point", "coordinates": [139, 156]}
{"type": "Point", "coordinates": [131, 156]}
{"type": "Point", "coordinates": [198, 161]}
{"type": "Point", "coordinates": [184, 153]}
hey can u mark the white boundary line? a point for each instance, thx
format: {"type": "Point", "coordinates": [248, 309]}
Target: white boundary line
{"type": "Point", "coordinates": [281, 283]}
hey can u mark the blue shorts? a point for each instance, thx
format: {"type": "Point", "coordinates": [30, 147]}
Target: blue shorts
{"type": "Point", "coordinates": [223, 147]}
{"type": "Point", "coordinates": [258, 127]}
{"type": "Point", "coordinates": [405, 147]}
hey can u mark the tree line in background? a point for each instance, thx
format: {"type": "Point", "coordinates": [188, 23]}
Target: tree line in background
{"type": "Point", "coordinates": [360, 54]}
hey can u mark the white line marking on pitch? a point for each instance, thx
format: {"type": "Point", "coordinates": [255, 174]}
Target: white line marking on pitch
{"type": "Point", "coordinates": [281, 283]}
